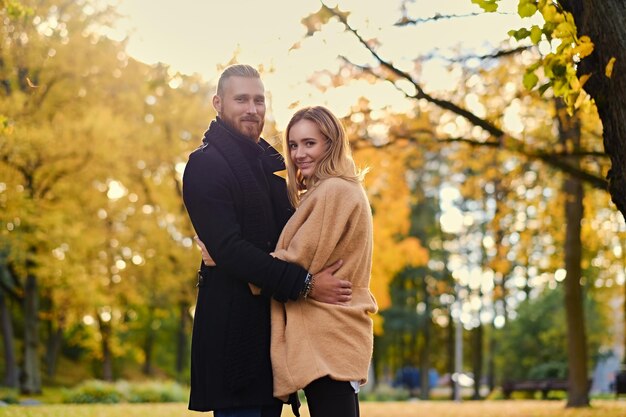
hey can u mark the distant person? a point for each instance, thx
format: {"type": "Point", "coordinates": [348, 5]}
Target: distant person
{"type": "Point", "coordinates": [321, 348]}
{"type": "Point", "coordinates": [238, 206]}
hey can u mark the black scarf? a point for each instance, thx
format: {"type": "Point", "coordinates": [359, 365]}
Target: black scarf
{"type": "Point", "coordinates": [238, 150]}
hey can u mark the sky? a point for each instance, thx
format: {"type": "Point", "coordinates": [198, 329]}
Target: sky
{"type": "Point", "coordinates": [196, 36]}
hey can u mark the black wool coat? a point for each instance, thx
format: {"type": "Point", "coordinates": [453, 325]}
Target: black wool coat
{"type": "Point", "coordinates": [238, 207]}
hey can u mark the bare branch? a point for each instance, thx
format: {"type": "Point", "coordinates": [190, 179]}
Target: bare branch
{"type": "Point", "coordinates": [420, 93]}
{"type": "Point", "coordinates": [553, 159]}
{"type": "Point", "coordinates": [405, 21]}
{"type": "Point", "coordinates": [514, 144]}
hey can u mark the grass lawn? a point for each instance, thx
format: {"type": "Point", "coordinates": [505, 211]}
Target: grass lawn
{"type": "Point", "coordinates": [514, 408]}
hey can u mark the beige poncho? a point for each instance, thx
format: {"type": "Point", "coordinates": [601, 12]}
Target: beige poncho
{"type": "Point", "coordinates": [310, 339]}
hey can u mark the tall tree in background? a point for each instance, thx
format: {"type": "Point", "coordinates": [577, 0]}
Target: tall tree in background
{"type": "Point", "coordinates": [578, 387]}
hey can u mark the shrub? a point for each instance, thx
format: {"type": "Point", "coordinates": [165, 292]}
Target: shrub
{"type": "Point", "coordinates": [91, 392]}
{"type": "Point", "coordinates": [384, 392]}
{"type": "Point", "coordinates": [10, 399]}
{"type": "Point", "coordinates": [157, 392]}
{"type": "Point", "coordinates": [553, 369]}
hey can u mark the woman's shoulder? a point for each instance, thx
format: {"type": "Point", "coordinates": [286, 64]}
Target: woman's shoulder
{"type": "Point", "coordinates": [341, 188]}
{"type": "Point", "coordinates": [340, 184]}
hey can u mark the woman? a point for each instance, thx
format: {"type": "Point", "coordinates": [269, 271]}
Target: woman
{"type": "Point", "coordinates": [322, 348]}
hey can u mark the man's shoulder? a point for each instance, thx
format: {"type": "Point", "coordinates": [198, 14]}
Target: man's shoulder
{"type": "Point", "coordinates": [207, 153]}
{"type": "Point", "coordinates": [208, 162]}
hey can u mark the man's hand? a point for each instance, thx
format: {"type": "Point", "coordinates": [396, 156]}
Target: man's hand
{"type": "Point", "coordinates": [329, 289]}
{"type": "Point", "coordinates": [206, 258]}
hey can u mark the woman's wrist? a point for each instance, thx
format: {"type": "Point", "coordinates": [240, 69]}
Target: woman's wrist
{"type": "Point", "coordinates": [308, 286]}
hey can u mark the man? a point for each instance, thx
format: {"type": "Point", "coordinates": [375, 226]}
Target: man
{"type": "Point", "coordinates": [238, 207]}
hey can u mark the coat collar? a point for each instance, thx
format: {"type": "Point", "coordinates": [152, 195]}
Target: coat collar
{"type": "Point", "coordinates": [272, 160]}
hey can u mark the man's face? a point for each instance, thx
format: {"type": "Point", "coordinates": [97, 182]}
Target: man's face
{"type": "Point", "coordinates": [242, 105]}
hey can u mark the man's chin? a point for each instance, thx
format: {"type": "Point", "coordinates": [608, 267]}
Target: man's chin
{"type": "Point", "coordinates": [251, 133]}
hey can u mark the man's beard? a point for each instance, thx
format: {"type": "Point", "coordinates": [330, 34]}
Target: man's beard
{"type": "Point", "coordinates": [251, 131]}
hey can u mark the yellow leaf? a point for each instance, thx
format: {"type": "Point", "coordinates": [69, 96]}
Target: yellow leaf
{"type": "Point", "coordinates": [608, 71]}
{"type": "Point", "coordinates": [583, 49]}
{"type": "Point", "coordinates": [583, 79]}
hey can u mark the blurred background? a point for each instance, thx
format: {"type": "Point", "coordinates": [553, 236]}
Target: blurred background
{"type": "Point", "coordinates": [499, 257]}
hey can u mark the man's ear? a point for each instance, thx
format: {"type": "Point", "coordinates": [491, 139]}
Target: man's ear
{"type": "Point", "coordinates": [217, 103]}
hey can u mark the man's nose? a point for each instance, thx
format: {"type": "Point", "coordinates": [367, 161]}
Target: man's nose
{"type": "Point", "coordinates": [252, 107]}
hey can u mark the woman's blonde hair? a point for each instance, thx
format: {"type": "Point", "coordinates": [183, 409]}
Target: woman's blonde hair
{"type": "Point", "coordinates": [335, 162]}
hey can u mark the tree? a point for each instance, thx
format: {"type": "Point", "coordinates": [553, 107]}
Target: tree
{"type": "Point", "coordinates": [83, 156]}
{"type": "Point", "coordinates": [592, 33]}
{"type": "Point", "coordinates": [538, 337]}
{"type": "Point", "coordinates": [578, 389]}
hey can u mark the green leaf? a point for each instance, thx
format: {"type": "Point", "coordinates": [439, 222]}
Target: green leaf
{"type": "Point", "coordinates": [530, 80]}
{"type": "Point", "coordinates": [488, 6]}
{"type": "Point", "coordinates": [534, 66]}
{"type": "Point", "coordinates": [548, 29]}
{"type": "Point", "coordinates": [519, 34]}
{"type": "Point", "coordinates": [526, 9]}
{"type": "Point", "coordinates": [560, 87]}
{"type": "Point", "coordinates": [535, 34]}
{"type": "Point", "coordinates": [559, 70]}
{"type": "Point", "coordinates": [542, 89]}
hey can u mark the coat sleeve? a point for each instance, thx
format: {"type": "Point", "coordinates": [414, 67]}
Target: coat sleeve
{"type": "Point", "coordinates": [209, 203]}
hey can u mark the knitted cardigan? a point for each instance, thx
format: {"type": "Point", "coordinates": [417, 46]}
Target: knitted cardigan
{"type": "Point", "coordinates": [311, 339]}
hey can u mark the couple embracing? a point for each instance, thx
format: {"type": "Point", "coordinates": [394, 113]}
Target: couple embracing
{"type": "Point", "coordinates": [283, 290]}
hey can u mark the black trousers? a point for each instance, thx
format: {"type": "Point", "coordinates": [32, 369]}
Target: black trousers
{"type": "Point", "coordinates": [329, 398]}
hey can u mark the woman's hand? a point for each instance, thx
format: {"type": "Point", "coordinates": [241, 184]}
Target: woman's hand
{"type": "Point", "coordinates": [206, 258]}
{"type": "Point", "coordinates": [329, 289]}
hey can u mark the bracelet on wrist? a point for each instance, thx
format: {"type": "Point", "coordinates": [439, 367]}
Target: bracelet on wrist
{"type": "Point", "coordinates": [308, 286]}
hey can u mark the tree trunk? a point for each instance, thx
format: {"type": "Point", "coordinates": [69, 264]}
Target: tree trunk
{"type": "Point", "coordinates": [107, 355]}
{"type": "Point", "coordinates": [603, 21]}
{"type": "Point", "coordinates": [10, 362]}
{"type": "Point", "coordinates": [53, 347]}
{"type": "Point", "coordinates": [491, 363]}
{"type": "Point", "coordinates": [450, 352]}
{"type": "Point", "coordinates": [477, 359]}
{"type": "Point", "coordinates": [624, 305]}
{"type": "Point", "coordinates": [576, 335]}
{"type": "Point", "coordinates": [375, 369]}
{"type": "Point", "coordinates": [425, 351]}
{"type": "Point", "coordinates": [569, 131]}
{"type": "Point", "coordinates": [181, 343]}
{"type": "Point", "coordinates": [149, 344]}
{"type": "Point", "coordinates": [30, 380]}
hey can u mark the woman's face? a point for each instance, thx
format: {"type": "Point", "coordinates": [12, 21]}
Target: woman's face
{"type": "Point", "coordinates": [306, 146]}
